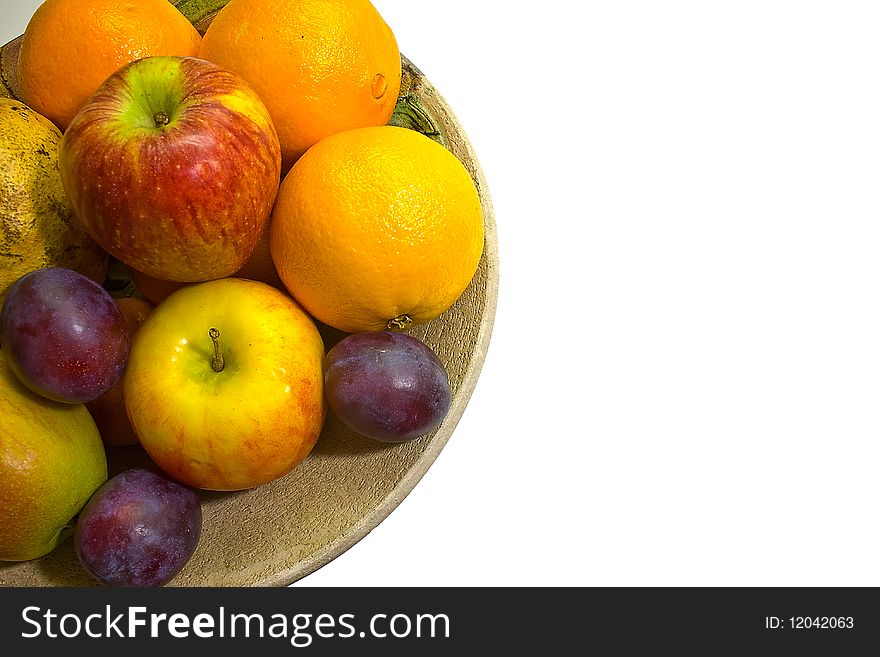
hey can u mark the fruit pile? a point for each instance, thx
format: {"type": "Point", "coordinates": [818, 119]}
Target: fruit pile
{"type": "Point", "coordinates": [248, 183]}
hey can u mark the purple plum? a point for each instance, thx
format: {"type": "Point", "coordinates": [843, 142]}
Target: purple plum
{"type": "Point", "coordinates": [63, 335]}
{"type": "Point", "coordinates": [138, 530]}
{"type": "Point", "coordinates": [386, 386]}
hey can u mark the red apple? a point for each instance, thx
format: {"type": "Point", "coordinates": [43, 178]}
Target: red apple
{"type": "Point", "coordinates": [259, 267]}
{"type": "Point", "coordinates": [108, 410]}
{"type": "Point", "coordinates": [154, 290]}
{"type": "Point", "coordinates": [172, 167]}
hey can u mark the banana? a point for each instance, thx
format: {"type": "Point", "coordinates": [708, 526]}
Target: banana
{"type": "Point", "coordinates": [413, 110]}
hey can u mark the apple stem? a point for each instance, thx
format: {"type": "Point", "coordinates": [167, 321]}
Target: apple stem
{"type": "Point", "coordinates": [161, 118]}
{"type": "Point", "coordinates": [217, 363]}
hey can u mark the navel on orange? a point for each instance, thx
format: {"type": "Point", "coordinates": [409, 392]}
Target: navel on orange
{"type": "Point", "coordinates": [320, 66]}
{"type": "Point", "coordinates": [375, 228]}
{"type": "Point", "coordinates": [70, 47]}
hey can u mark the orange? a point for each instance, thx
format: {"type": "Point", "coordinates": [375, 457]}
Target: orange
{"type": "Point", "coordinates": [376, 228]}
{"type": "Point", "coordinates": [320, 66]}
{"type": "Point", "coordinates": [70, 47]}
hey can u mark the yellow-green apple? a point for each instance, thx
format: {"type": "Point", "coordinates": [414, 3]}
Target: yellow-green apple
{"type": "Point", "coordinates": [51, 461]}
{"type": "Point", "coordinates": [224, 385]}
{"type": "Point", "coordinates": [108, 410]}
{"type": "Point", "coordinates": [172, 167]}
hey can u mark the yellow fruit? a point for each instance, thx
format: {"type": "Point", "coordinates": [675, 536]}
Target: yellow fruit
{"type": "Point", "coordinates": [320, 66]}
{"type": "Point", "coordinates": [224, 385]}
{"type": "Point", "coordinates": [377, 227]}
{"type": "Point", "coordinates": [37, 226]}
{"type": "Point", "coordinates": [51, 461]}
{"type": "Point", "coordinates": [70, 47]}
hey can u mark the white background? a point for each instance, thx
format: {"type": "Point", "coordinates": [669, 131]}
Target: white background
{"type": "Point", "coordinates": [683, 382]}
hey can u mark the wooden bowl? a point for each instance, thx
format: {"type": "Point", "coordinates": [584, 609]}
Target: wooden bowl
{"type": "Point", "coordinates": [280, 532]}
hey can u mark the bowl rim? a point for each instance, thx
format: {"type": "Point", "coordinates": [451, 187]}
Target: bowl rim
{"type": "Point", "coordinates": [471, 375]}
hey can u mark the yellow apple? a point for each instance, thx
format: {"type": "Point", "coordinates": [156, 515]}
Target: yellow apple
{"type": "Point", "coordinates": [51, 461]}
{"type": "Point", "coordinates": [224, 385]}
